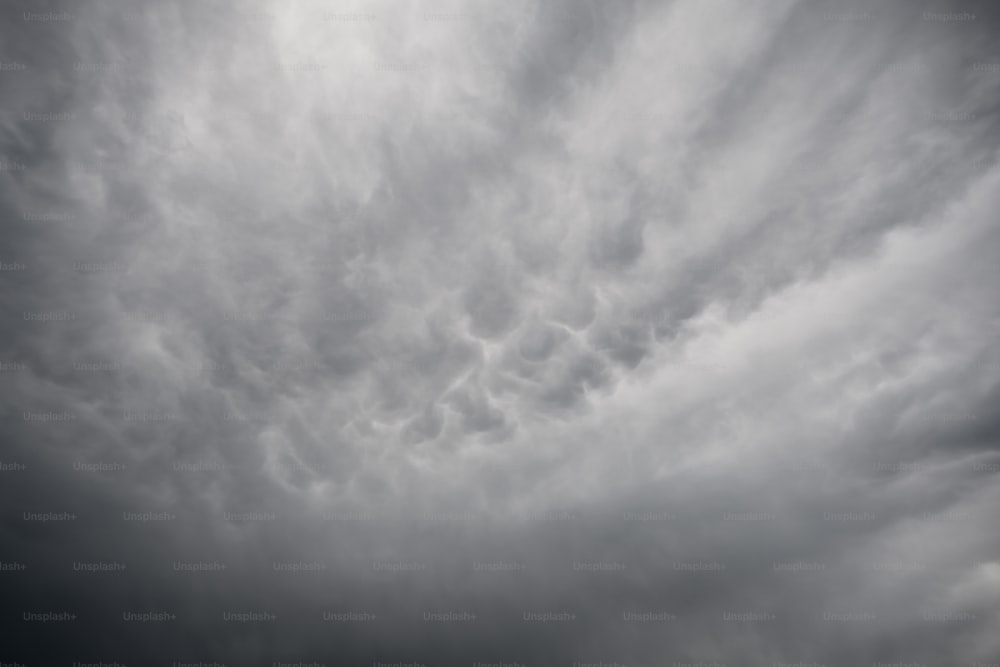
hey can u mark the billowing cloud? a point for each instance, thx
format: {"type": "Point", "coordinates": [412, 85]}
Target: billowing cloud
{"type": "Point", "coordinates": [536, 333]}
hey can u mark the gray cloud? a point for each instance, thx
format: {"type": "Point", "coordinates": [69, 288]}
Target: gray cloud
{"type": "Point", "coordinates": [637, 333]}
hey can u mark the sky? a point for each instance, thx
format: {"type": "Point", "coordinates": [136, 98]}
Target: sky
{"type": "Point", "coordinates": [522, 334]}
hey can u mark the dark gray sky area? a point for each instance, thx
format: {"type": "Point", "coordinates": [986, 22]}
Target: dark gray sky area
{"type": "Point", "coordinates": [511, 333]}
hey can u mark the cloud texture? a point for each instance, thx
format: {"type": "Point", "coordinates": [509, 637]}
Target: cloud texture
{"type": "Point", "coordinates": [648, 333]}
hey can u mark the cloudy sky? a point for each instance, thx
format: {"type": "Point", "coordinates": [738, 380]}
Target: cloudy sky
{"type": "Point", "coordinates": [522, 333]}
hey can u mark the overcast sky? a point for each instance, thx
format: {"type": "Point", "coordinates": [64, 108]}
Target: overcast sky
{"type": "Point", "coordinates": [536, 332]}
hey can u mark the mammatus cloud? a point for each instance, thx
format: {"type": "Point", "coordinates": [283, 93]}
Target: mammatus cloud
{"type": "Point", "coordinates": [534, 333]}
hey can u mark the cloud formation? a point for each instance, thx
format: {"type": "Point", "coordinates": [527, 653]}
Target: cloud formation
{"type": "Point", "coordinates": [537, 333]}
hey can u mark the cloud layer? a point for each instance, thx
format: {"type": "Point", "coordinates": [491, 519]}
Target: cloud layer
{"type": "Point", "coordinates": [500, 332]}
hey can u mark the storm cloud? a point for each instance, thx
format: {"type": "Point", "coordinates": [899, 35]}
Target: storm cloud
{"type": "Point", "coordinates": [510, 333]}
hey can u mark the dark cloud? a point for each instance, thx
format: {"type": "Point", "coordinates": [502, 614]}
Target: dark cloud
{"type": "Point", "coordinates": [525, 333]}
